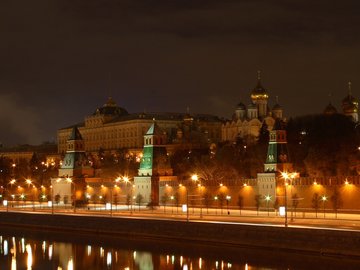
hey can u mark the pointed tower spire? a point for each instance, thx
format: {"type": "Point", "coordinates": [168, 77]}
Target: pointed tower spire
{"type": "Point", "coordinates": [277, 99]}
{"type": "Point", "coordinates": [259, 75]}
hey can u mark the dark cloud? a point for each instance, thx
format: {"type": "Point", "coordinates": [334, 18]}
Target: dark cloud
{"type": "Point", "coordinates": [58, 56]}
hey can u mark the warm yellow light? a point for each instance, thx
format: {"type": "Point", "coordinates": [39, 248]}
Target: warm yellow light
{"type": "Point", "coordinates": [221, 184]}
{"type": "Point", "coordinates": [315, 183]}
{"type": "Point", "coordinates": [12, 181]}
{"type": "Point", "coordinates": [68, 179]}
{"type": "Point", "coordinates": [346, 182]}
{"type": "Point", "coordinates": [245, 185]}
{"type": "Point", "coordinates": [28, 181]}
{"type": "Point", "coordinates": [323, 198]}
{"type": "Point", "coordinates": [180, 185]}
{"type": "Point", "coordinates": [126, 179]}
{"type": "Point", "coordinates": [194, 177]}
{"type": "Point", "coordinates": [102, 186]}
{"type": "Point", "coordinates": [199, 185]}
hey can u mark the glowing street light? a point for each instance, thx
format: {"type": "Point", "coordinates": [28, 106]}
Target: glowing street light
{"type": "Point", "coordinates": [324, 199]}
{"type": "Point", "coordinates": [267, 199]}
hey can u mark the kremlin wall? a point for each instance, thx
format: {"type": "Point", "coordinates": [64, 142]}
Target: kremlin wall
{"type": "Point", "coordinates": [153, 138]}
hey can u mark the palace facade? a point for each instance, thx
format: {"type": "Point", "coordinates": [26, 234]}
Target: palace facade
{"type": "Point", "coordinates": [111, 127]}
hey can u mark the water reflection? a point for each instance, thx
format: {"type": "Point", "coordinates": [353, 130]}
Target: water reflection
{"type": "Point", "coordinates": [35, 254]}
{"type": "Point", "coordinates": [29, 253]}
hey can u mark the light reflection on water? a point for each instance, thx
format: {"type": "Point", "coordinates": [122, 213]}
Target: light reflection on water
{"type": "Point", "coordinates": [35, 254]}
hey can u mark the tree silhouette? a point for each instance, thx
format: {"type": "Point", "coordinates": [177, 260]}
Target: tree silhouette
{"type": "Point", "coordinates": [164, 199]}
{"type": "Point", "coordinates": [336, 200]}
{"type": "Point", "coordinates": [315, 202]}
{"type": "Point", "coordinates": [240, 203]}
{"type": "Point", "coordinates": [139, 200]}
{"type": "Point", "coordinates": [257, 202]}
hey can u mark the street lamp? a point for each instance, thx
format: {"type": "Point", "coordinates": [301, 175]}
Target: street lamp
{"type": "Point", "coordinates": [267, 199]}
{"type": "Point", "coordinates": [127, 181]}
{"type": "Point", "coordinates": [69, 180]}
{"type": "Point", "coordinates": [324, 199]}
{"type": "Point", "coordinates": [285, 176]}
{"type": "Point", "coordinates": [194, 178]}
{"type": "Point", "coordinates": [228, 198]}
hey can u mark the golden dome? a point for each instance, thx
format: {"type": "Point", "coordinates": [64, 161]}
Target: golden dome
{"type": "Point", "coordinates": [349, 103]}
{"type": "Point", "coordinates": [259, 92]}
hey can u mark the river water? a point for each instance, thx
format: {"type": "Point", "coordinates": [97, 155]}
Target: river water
{"type": "Point", "coordinates": [45, 251]}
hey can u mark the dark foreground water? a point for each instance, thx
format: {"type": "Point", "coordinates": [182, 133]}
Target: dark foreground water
{"type": "Point", "coordinates": [46, 251]}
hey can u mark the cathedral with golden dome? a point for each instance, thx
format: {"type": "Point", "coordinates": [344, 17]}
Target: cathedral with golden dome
{"type": "Point", "coordinates": [349, 105]}
{"type": "Point", "coordinates": [247, 120]}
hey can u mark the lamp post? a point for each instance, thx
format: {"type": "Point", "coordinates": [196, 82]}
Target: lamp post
{"type": "Point", "coordinates": [127, 181]}
{"type": "Point", "coordinates": [292, 177]}
{"type": "Point", "coordinates": [285, 176]}
{"type": "Point", "coordinates": [324, 199]}
{"type": "Point", "coordinates": [228, 198]}
{"type": "Point", "coordinates": [267, 199]}
{"type": "Point", "coordinates": [52, 199]}
{"type": "Point", "coordinates": [69, 180]}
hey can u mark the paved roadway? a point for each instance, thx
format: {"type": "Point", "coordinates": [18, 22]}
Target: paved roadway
{"type": "Point", "coordinates": [344, 221]}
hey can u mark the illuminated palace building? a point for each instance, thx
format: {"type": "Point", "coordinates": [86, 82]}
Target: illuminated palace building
{"type": "Point", "coordinates": [247, 120]}
{"type": "Point", "coordinates": [111, 127]}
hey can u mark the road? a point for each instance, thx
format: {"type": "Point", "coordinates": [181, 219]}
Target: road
{"type": "Point", "coordinates": [344, 221]}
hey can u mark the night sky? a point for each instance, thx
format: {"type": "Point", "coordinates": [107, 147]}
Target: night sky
{"type": "Point", "coordinates": [61, 59]}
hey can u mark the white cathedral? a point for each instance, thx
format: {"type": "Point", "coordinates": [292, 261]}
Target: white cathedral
{"type": "Point", "coordinates": [247, 120]}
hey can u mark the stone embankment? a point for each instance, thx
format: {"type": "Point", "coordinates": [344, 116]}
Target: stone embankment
{"type": "Point", "coordinates": [315, 241]}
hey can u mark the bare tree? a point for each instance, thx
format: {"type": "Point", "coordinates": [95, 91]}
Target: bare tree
{"type": "Point", "coordinates": [295, 202]}
{"type": "Point", "coordinates": [336, 200]}
{"type": "Point", "coordinates": [221, 199]}
{"type": "Point", "coordinates": [315, 203]}
{"type": "Point", "coordinates": [139, 200]}
{"type": "Point", "coordinates": [240, 203]}
{"type": "Point", "coordinates": [207, 201]}
{"type": "Point", "coordinates": [164, 199]}
{"type": "Point", "coordinates": [257, 202]}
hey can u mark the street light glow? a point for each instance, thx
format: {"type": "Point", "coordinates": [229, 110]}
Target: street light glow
{"type": "Point", "coordinates": [194, 177]}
